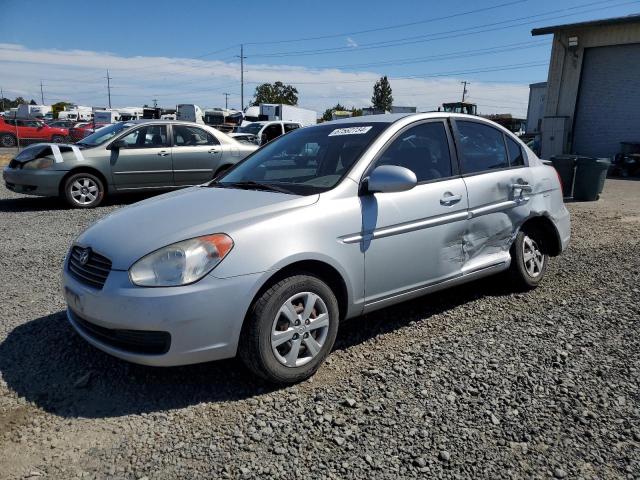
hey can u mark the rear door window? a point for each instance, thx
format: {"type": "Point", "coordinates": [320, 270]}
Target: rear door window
{"type": "Point", "coordinates": [481, 146]}
{"type": "Point", "coordinates": [516, 157]}
{"type": "Point", "coordinates": [290, 126]}
{"type": "Point", "coordinates": [188, 136]}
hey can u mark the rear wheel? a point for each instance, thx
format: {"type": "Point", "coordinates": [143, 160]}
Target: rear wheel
{"type": "Point", "coordinates": [528, 259]}
{"type": "Point", "coordinates": [290, 330]}
{"type": "Point", "coordinates": [7, 140]}
{"type": "Point", "coordinates": [58, 139]}
{"type": "Point", "coordinates": [84, 190]}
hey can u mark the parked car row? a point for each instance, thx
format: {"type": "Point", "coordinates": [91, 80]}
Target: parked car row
{"type": "Point", "coordinates": [125, 156]}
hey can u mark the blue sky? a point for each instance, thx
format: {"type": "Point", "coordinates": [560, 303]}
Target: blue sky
{"type": "Point", "coordinates": [179, 52]}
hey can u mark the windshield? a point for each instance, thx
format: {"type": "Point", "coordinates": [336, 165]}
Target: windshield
{"type": "Point", "coordinates": [252, 128]}
{"type": "Point", "coordinates": [305, 161]}
{"type": "Point", "coordinates": [104, 134]}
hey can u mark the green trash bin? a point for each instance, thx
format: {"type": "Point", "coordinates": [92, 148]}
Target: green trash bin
{"type": "Point", "coordinates": [566, 166]}
{"type": "Point", "coordinates": [590, 176]}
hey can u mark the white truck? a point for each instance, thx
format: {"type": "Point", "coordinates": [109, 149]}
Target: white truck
{"type": "Point", "coordinates": [33, 111]}
{"type": "Point", "coordinates": [76, 113]}
{"type": "Point", "coordinates": [287, 113]}
{"type": "Point", "coordinates": [188, 112]}
{"type": "Point", "coordinates": [130, 113]}
{"type": "Point", "coordinates": [106, 116]}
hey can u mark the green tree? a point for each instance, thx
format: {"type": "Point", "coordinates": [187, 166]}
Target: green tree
{"type": "Point", "coordinates": [327, 115]}
{"type": "Point", "coordinates": [276, 92]}
{"type": "Point", "coordinates": [382, 98]}
{"type": "Point", "coordinates": [32, 102]}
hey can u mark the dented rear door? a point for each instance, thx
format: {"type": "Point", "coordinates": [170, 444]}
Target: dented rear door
{"type": "Point", "coordinates": [498, 189]}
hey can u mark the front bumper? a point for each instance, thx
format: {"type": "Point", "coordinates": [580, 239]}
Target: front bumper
{"type": "Point", "coordinates": [43, 182]}
{"type": "Point", "coordinates": [203, 320]}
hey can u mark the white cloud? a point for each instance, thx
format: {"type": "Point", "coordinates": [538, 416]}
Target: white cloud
{"type": "Point", "coordinates": [80, 76]}
{"type": "Point", "coordinates": [351, 42]}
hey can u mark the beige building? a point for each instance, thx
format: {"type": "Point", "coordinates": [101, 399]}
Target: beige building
{"type": "Point", "coordinates": [593, 87]}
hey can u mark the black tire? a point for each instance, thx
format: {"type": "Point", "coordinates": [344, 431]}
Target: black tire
{"type": "Point", "coordinates": [58, 139]}
{"type": "Point", "coordinates": [87, 180]}
{"type": "Point", "coordinates": [520, 271]}
{"type": "Point", "coordinates": [7, 140]}
{"type": "Point", "coordinates": [255, 348]}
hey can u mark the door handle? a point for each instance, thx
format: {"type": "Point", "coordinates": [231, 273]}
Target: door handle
{"type": "Point", "coordinates": [524, 187]}
{"type": "Point", "coordinates": [214, 150]}
{"type": "Point", "coordinates": [449, 199]}
{"type": "Point", "coordinates": [163, 153]}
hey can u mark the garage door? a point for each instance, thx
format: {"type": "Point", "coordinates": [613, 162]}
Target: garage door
{"type": "Point", "coordinates": [608, 109]}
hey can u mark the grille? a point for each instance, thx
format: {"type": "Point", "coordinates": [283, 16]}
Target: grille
{"type": "Point", "coordinates": [133, 341]}
{"type": "Point", "coordinates": [94, 272]}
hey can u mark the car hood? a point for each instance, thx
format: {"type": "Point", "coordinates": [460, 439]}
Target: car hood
{"type": "Point", "coordinates": [35, 151]}
{"type": "Point", "coordinates": [128, 234]}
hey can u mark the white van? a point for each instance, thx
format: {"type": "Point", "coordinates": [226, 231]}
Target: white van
{"type": "Point", "coordinates": [188, 112]}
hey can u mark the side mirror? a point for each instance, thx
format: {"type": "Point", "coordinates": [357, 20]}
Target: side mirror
{"type": "Point", "coordinates": [388, 179]}
{"type": "Point", "coordinates": [117, 145]}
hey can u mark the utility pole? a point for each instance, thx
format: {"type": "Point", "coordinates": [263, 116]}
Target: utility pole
{"type": "Point", "coordinates": [109, 87]}
{"type": "Point", "coordinates": [155, 103]}
{"type": "Point", "coordinates": [41, 93]}
{"type": "Point", "coordinates": [242, 57]}
{"type": "Point", "coordinates": [226, 100]}
{"type": "Point", "coordinates": [2, 98]}
{"type": "Point", "coordinates": [464, 89]}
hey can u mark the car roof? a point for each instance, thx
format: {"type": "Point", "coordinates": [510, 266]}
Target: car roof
{"type": "Point", "coordinates": [394, 117]}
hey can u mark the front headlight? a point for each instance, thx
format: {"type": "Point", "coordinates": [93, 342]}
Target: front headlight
{"type": "Point", "coordinates": [38, 164]}
{"type": "Point", "coordinates": [181, 263]}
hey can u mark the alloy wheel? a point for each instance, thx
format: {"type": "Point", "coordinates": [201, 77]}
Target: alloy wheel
{"type": "Point", "coordinates": [300, 329]}
{"type": "Point", "coordinates": [84, 191]}
{"type": "Point", "coordinates": [532, 256]}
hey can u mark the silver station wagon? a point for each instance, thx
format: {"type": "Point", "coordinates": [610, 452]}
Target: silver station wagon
{"type": "Point", "coordinates": [123, 157]}
{"type": "Point", "coordinates": [321, 225]}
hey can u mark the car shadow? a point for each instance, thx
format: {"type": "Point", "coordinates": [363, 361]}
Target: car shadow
{"type": "Point", "coordinates": [47, 363]}
{"type": "Point", "coordinates": [41, 204]}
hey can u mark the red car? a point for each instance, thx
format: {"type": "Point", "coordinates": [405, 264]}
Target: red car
{"type": "Point", "coordinates": [81, 130]}
{"type": "Point", "coordinates": [29, 130]}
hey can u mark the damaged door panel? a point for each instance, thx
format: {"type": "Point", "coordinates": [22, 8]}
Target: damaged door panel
{"type": "Point", "coordinates": [499, 188]}
{"type": "Point", "coordinates": [414, 238]}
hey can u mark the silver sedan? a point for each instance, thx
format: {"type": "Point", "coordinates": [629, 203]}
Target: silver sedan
{"type": "Point", "coordinates": [321, 225]}
{"type": "Point", "coordinates": [126, 156]}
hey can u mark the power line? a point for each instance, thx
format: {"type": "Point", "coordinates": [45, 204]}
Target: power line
{"type": "Point", "coordinates": [496, 68]}
{"type": "Point", "coordinates": [446, 34]}
{"type": "Point", "coordinates": [388, 27]}
{"type": "Point", "coordinates": [446, 56]}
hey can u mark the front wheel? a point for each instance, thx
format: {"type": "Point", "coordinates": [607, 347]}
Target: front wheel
{"type": "Point", "coordinates": [528, 260]}
{"type": "Point", "coordinates": [290, 330]}
{"type": "Point", "coordinates": [7, 140]}
{"type": "Point", "coordinates": [84, 190]}
{"type": "Point", "coordinates": [58, 139]}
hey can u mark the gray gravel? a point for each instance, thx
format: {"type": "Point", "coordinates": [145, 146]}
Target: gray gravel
{"type": "Point", "coordinates": [476, 382]}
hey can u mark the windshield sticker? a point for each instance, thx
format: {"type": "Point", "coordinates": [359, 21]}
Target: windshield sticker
{"type": "Point", "coordinates": [56, 153]}
{"type": "Point", "coordinates": [350, 131]}
{"type": "Point", "coordinates": [77, 153]}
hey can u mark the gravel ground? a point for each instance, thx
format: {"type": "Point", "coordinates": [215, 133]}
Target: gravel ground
{"type": "Point", "coordinates": [476, 382]}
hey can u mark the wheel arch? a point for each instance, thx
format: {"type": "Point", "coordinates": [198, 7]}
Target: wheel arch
{"type": "Point", "coordinates": [323, 270]}
{"type": "Point", "coordinates": [83, 169]}
{"type": "Point", "coordinates": [542, 224]}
